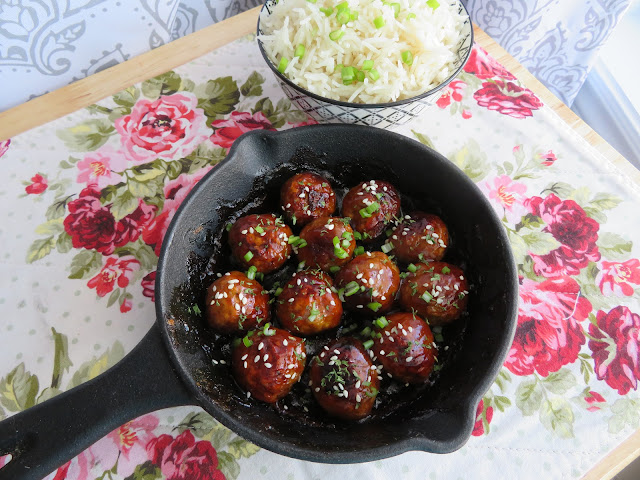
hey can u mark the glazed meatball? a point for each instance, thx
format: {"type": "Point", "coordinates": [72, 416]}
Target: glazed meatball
{"type": "Point", "coordinates": [268, 363]}
{"type": "Point", "coordinates": [437, 291]}
{"type": "Point", "coordinates": [420, 236]}
{"type": "Point", "coordinates": [370, 282]}
{"type": "Point", "coordinates": [260, 241]}
{"type": "Point", "coordinates": [308, 305]}
{"type": "Point", "coordinates": [405, 347]}
{"type": "Point", "coordinates": [328, 243]}
{"type": "Point", "coordinates": [344, 381]}
{"type": "Point", "coordinates": [234, 303]}
{"type": "Point", "coordinates": [371, 206]}
{"type": "Point", "coordinates": [306, 196]}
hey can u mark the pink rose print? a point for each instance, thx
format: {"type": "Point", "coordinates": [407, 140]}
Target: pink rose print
{"type": "Point", "coordinates": [616, 278]}
{"type": "Point", "coordinates": [483, 66]}
{"type": "Point", "coordinates": [175, 192]}
{"type": "Point", "coordinates": [507, 98]}
{"type": "Point", "coordinates": [149, 286]}
{"type": "Point", "coordinates": [38, 185]}
{"type": "Point", "coordinates": [507, 197]}
{"type": "Point", "coordinates": [594, 400]}
{"type": "Point", "coordinates": [570, 225]}
{"type": "Point", "coordinates": [100, 167]}
{"type": "Point", "coordinates": [126, 305]}
{"type": "Point", "coordinates": [452, 92]}
{"type": "Point", "coordinates": [548, 334]}
{"type": "Point", "coordinates": [466, 114]}
{"type": "Point", "coordinates": [130, 227]}
{"type": "Point", "coordinates": [615, 348]}
{"type": "Point", "coordinates": [548, 158]}
{"type": "Point", "coordinates": [116, 270]}
{"type": "Point", "coordinates": [61, 473]}
{"type": "Point", "coordinates": [182, 458]}
{"type": "Point", "coordinates": [478, 427]}
{"type": "Point", "coordinates": [170, 127]}
{"type": "Point", "coordinates": [310, 121]}
{"type": "Point", "coordinates": [226, 131]}
{"type": "Point", "coordinates": [4, 146]}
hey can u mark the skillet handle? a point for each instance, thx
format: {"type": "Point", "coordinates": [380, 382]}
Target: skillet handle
{"type": "Point", "coordinates": [44, 437]}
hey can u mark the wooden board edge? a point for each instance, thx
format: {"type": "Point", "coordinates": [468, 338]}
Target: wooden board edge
{"type": "Point", "coordinates": [616, 460]}
{"type": "Point", "coordinates": [105, 83]}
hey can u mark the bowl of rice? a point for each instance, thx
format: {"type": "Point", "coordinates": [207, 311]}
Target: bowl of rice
{"type": "Point", "coordinates": [366, 62]}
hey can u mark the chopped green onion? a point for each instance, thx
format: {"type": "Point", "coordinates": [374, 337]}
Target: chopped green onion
{"type": "Point", "coordinates": [282, 66]}
{"type": "Point", "coordinates": [387, 247]}
{"type": "Point", "coordinates": [345, 243]}
{"type": "Point", "coordinates": [312, 1]}
{"type": "Point", "coordinates": [351, 288]}
{"type": "Point", "coordinates": [364, 213]}
{"type": "Point", "coordinates": [259, 229]}
{"type": "Point", "coordinates": [247, 341]}
{"type": "Point", "coordinates": [427, 297]}
{"type": "Point", "coordinates": [302, 243]}
{"type": "Point", "coordinates": [336, 35]}
{"type": "Point", "coordinates": [396, 9]}
{"type": "Point", "coordinates": [259, 276]}
{"type": "Point", "coordinates": [336, 241]}
{"type": "Point", "coordinates": [343, 16]}
{"type": "Point", "coordinates": [228, 226]}
{"type": "Point", "coordinates": [359, 250]}
{"type": "Point", "coordinates": [360, 76]}
{"type": "Point", "coordinates": [357, 235]}
{"type": "Point", "coordinates": [347, 82]}
{"type": "Point", "coordinates": [248, 256]}
{"type": "Point", "coordinates": [374, 75]}
{"type": "Point", "coordinates": [378, 22]}
{"type": "Point", "coordinates": [251, 273]}
{"type": "Point", "coordinates": [293, 239]}
{"type": "Point", "coordinates": [342, 6]}
{"type": "Point", "coordinates": [433, 4]}
{"type": "Point", "coordinates": [367, 65]}
{"type": "Point", "coordinates": [411, 15]}
{"type": "Point", "coordinates": [278, 291]}
{"type": "Point", "coordinates": [340, 253]}
{"type": "Point", "coordinates": [368, 344]}
{"type": "Point", "coordinates": [375, 306]}
{"type": "Point", "coordinates": [267, 331]}
{"type": "Point", "coordinates": [446, 270]}
{"type": "Point", "coordinates": [354, 16]}
{"type": "Point", "coordinates": [327, 11]}
{"type": "Point", "coordinates": [373, 207]}
{"type": "Point", "coordinates": [348, 74]}
{"type": "Point", "coordinates": [339, 67]}
{"type": "Point", "coordinates": [407, 57]}
{"type": "Point", "coordinates": [301, 265]}
{"type": "Point", "coordinates": [299, 51]}
{"type": "Point", "coordinates": [366, 332]}
{"type": "Point", "coordinates": [412, 268]}
{"type": "Point", "coordinates": [334, 269]}
{"type": "Point", "coordinates": [381, 322]}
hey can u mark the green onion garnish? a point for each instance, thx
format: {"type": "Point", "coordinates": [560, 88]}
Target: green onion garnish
{"type": "Point", "coordinates": [396, 9]}
{"type": "Point", "coordinates": [327, 11]}
{"type": "Point", "coordinates": [293, 239]}
{"type": "Point", "coordinates": [357, 235]}
{"type": "Point", "coordinates": [354, 16]}
{"type": "Point", "coordinates": [351, 288]}
{"type": "Point", "coordinates": [343, 16]}
{"type": "Point", "coordinates": [368, 344]}
{"type": "Point", "coordinates": [374, 75]}
{"type": "Point", "coordinates": [340, 253]}
{"type": "Point", "coordinates": [302, 243]}
{"type": "Point", "coordinates": [345, 243]}
{"type": "Point", "coordinates": [348, 74]}
{"type": "Point", "coordinates": [342, 6]}
{"type": "Point", "coordinates": [446, 270]}
{"type": "Point", "coordinates": [259, 229]}
{"type": "Point", "coordinates": [407, 57]}
{"type": "Point", "coordinates": [375, 306]}
{"type": "Point", "coordinates": [427, 297]}
{"type": "Point", "coordinates": [248, 256]}
{"type": "Point", "coordinates": [366, 332]}
{"type": "Point", "coordinates": [247, 341]}
{"type": "Point", "coordinates": [387, 247]}
{"type": "Point", "coordinates": [367, 65]}
{"type": "Point", "coordinates": [259, 276]}
{"type": "Point", "coordinates": [381, 322]}
{"type": "Point", "coordinates": [411, 15]}
{"type": "Point", "coordinates": [378, 22]}
{"type": "Point", "coordinates": [359, 250]}
{"type": "Point", "coordinates": [228, 226]}
{"type": "Point", "coordinates": [251, 273]}
{"type": "Point", "coordinates": [373, 207]}
{"type": "Point", "coordinates": [412, 268]}
{"type": "Point", "coordinates": [267, 331]}
{"type": "Point", "coordinates": [299, 51]}
{"type": "Point", "coordinates": [312, 1]}
{"type": "Point", "coordinates": [433, 4]}
{"type": "Point", "coordinates": [282, 66]}
{"type": "Point", "coordinates": [363, 213]}
{"type": "Point", "coordinates": [336, 241]}
{"type": "Point", "coordinates": [278, 291]}
{"type": "Point", "coordinates": [336, 35]}
{"type": "Point", "coordinates": [334, 269]}
{"type": "Point", "coordinates": [360, 76]}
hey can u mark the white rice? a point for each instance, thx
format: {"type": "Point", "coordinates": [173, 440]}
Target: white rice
{"type": "Point", "coordinates": [432, 37]}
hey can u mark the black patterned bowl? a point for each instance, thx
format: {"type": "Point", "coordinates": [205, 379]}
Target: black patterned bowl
{"type": "Point", "coordinates": [381, 115]}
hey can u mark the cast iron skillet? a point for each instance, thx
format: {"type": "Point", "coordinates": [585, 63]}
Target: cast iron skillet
{"type": "Point", "coordinates": [172, 365]}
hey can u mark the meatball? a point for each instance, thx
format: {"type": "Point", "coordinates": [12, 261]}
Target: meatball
{"type": "Point", "coordinates": [344, 381]}
{"type": "Point", "coordinates": [234, 303]}
{"type": "Point", "coordinates": [371, 206]}
{"type": "Point", "coordinates": [260, 241]}
{"type": "Point", "coordinates": [405, 347]}
{"type": "Point", "coordinates": [268, 363]}
{"type": "Point", "coordinates": [308, 305]}
{"type": "Point", "coordinates": [306, 196]}
{"type": "Point", "coordinates": [370, 282]}
{"type": "Point", "coordinates": [437, 291]}
{"type": "Point", "coordinates": [326, 243]}
{"type": "Point", "coordinates": [420, 236]}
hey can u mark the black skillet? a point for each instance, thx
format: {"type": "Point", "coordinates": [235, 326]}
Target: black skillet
{"type": "Point", "coordinates": [173, 366]}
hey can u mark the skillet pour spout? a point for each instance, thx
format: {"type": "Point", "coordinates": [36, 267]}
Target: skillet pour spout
{"type": "Point", "coordinates": [177, 363]}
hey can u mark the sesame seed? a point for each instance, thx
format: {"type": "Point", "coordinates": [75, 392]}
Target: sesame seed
{"type": "Point", "coordinates": [244, 357]}
{"type": "Point", "coordinates": [244, 232]}
{"type": "Point", "coordinates": [358, 397]}
{"type": "Point", "coordinates": [383, 297]}
{"type": "Point", "coordinates": [285, 407]}
{"type": "Point", "coordinates": [284, 342]}
{"type": "Point", "coordinates": [358, 384]}
{"type": "Point", "coordinates": [219, 275]}
{"type": "Point", "coordinates": [291, 300]}
{"type": "Point", "coordinates": [329, 226]}
{"type": "Point", "coordinates": [410, 329]}
{"type": "Point", "coordinates": [222, 362]}
{"type": "Point", "coordinates": [461, 277]}
{"type": "Point", "coordinates": [268, 365]}
{"type": "Point", "coordinates": [248, 394]}
{"type": "Point", "coordinates": [261, 346]}
{"type": "Point", "coordinates": [381, 352]}
{"type": "Point", "coordinates": [371, 265]}
{"type": "Point", "coordinates": [446, 347]}
{"type": "Point", "coordinates": [305, 409]}
{"type": "Point", "coordinates": [266, 357]}
{"type": "Point", "coordinates": [326, 348]}
{"type": "Point", "coordinates": [236, 306]}
{"type": "Point", "coordinates": [214, 361]}
{"type": "Point", "coordinates": [317, 389]}
{"type": "Point", "coordinates": [359, 306]}
{"type": "Point", "coordinates": [245, 365]}
{"type": "Point", "coordinates": [256, 359]}
{"type": "Point", "coordinates": [409, 359]}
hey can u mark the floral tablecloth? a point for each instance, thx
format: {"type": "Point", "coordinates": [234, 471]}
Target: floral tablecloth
{"type": "Point", "coordinates": [86, 200]}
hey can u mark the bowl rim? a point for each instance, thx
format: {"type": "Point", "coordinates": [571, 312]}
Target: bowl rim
{"type": "Point", "coordinates": [341, 103]}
